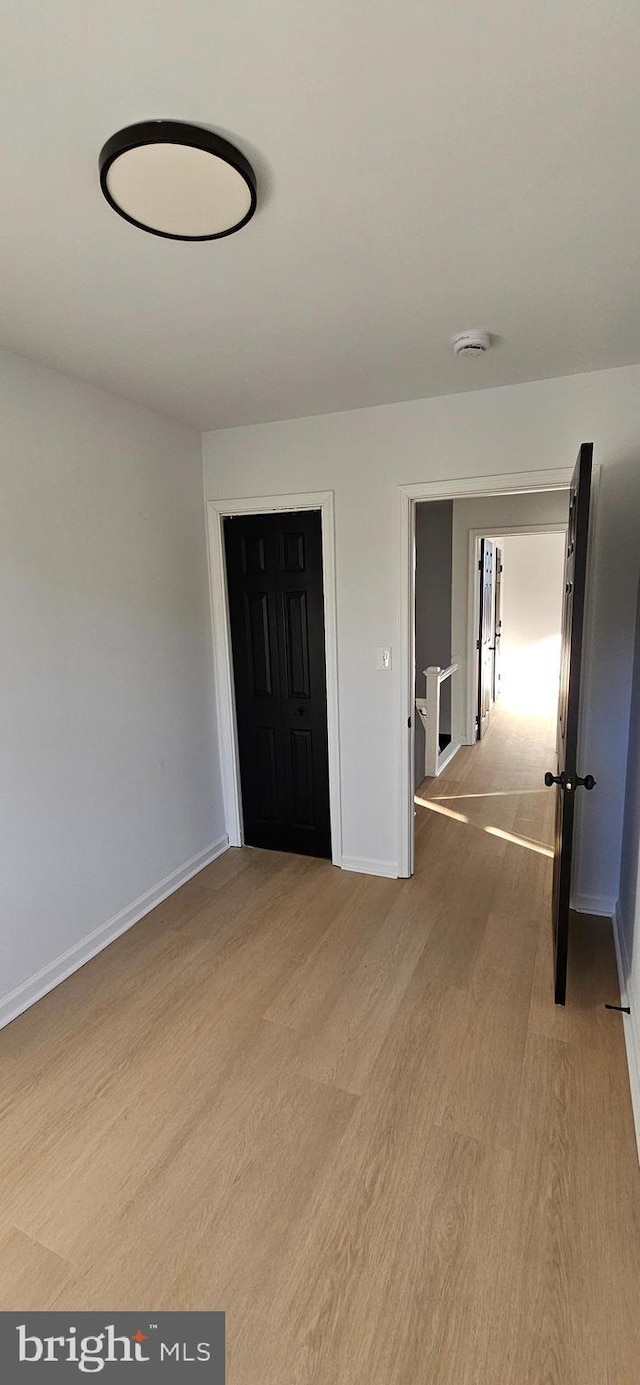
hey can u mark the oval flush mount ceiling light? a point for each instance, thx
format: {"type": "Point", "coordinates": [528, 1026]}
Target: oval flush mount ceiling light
{"type": "Point", "coordinates": [177, 180]}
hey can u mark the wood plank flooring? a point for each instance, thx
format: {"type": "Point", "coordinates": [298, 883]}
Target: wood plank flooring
{"type": "Point", "coordinates": [345, 1110]}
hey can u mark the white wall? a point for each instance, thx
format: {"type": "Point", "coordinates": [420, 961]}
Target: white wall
{"type": "Point", "coordinates": [363, 455]}
{"type": "Point", "coordinates": [628, 919]}
{"type": "Point", "coordinates": [491, 515]}
{"type": "Point", "coordinates": [532, 586]}
{"type": "Point", "coordinates": [109, 767]}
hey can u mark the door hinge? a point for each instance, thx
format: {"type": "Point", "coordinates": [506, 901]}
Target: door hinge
{"type": "Point", "coordinates": [409, 723]}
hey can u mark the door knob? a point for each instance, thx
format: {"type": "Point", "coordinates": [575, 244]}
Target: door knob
{"type": "Point", "coordinates": [299, 711]}
{"type": "Point", "coordinates": [587, 783]}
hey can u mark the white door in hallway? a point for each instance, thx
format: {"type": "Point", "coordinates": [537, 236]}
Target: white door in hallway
{"type": "Point", "coordinates": [485, 635]}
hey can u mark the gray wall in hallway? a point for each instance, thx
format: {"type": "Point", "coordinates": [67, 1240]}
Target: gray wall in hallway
{"type": "Point", "coordinates": [434, 530]}
{"type": "Point", "coordinates": [629, 875]}
{"type": "Point", "coordinates": [629, 902]}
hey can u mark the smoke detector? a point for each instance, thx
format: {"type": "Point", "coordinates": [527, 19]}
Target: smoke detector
{"type": "Point", "coordinates": [471, 343]}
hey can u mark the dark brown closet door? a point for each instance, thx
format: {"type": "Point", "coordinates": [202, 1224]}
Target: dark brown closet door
{"type": "Point", "coordinates": [276, 609]}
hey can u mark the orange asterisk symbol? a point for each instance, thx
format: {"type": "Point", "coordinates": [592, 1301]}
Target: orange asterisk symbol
{"type": "Point", "coordinates": [139, 1337]}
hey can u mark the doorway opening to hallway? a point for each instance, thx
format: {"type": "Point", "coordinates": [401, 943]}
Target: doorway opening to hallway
{"type": "Point", "coordinates": [489, 575]}
{"type": "Point", "coordinates": [545, 655]}
{"type": "Point", "coordinates": [480, 802]}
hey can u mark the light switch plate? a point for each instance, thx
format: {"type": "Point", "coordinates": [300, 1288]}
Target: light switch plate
{"type": "Point", "coordinates": [383, 658]}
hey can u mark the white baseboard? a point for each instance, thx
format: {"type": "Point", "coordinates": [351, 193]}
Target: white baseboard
{"type": "Point", "coordinates": [364, 867]}
{"type": "Point", "coordinates": [593, 904]}
{"type": "Point", "coordinates": [35, 987]}
{"type": "Point", "coordinates": [629, 1022]}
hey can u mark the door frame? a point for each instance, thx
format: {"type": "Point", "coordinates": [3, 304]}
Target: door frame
{"type": "Point", "coordinates": [217, 512]}
{"type": "Point", "coordinates": [407, 497]}
{"type": "Point", "coordinates": [500, 531]}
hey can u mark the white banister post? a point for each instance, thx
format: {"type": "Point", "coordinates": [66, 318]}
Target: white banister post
{"type": "Point", "coordinates": [432, 729]}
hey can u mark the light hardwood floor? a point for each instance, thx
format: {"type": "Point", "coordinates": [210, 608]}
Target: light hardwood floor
{"type": "Point", "coordinates": [345, 1110]}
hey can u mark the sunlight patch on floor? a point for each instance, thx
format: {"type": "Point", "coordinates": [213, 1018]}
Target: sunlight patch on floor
{"type": "Point", "coordinates": [520, 841]}
{"type": "Point", "coordinates": [438, 808]}
{"type": "Point", "coordinates": [512, 837]}
{"type": "Point", "coordinates": [494, 793]}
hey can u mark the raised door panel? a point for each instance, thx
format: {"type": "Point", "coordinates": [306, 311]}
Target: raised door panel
{"type": "Point", "coordinates": [292, 550]}
{"type": "Point", "coordinates": [253, 554]}
{"type": "Point", "coordinates": [302, 783]}
{"type": "Point", "coordinates": [296, 644]}
{"type": "Point", "coordinates": [265, 750]}
{"type": "Point", "coordinates": [259, 644]}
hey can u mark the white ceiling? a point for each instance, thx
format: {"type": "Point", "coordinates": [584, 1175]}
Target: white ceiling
{"type": "Point", "coordinates": [424, 166]}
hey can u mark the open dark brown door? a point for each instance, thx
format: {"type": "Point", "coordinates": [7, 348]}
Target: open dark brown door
{"type": "Point", "coordinates": [485, 638]}
{"type": "Point", "coordinates": [567, 779]}
{"type": "Point", "coordinates": [276, 614]}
